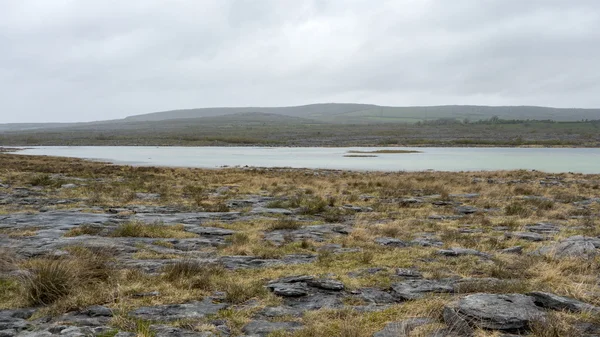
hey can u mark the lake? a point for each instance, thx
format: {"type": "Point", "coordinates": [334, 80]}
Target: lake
{"type": "Point", "coordinates": [582, 160]}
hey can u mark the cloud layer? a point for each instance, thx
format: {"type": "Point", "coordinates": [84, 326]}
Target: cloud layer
{"type": "Point", "coordinates": [92, 60]}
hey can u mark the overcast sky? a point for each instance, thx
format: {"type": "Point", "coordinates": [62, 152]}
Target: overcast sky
{"type": "Point", "coordinates": [82, 60]}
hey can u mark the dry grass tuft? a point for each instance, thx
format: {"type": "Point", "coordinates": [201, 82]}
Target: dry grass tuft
{"type": "Point", "coordinates": [156, 230]}
{"type": "Point", "coordinates": [83, 230]}
{"type": "Point", "coordinates": [48, 281]}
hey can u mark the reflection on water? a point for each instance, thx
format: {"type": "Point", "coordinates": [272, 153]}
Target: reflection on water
{"type": "Point", "coordinates": [441, 159]}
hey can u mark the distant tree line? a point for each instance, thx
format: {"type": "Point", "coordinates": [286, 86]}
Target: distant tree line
{"type": "Point", "coordinates": [495, 120]}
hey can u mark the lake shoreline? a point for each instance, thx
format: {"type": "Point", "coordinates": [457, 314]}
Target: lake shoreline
{"type": "Point", "coordinates": [382, 159]}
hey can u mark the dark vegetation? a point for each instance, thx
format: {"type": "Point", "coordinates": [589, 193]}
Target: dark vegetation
{"type": "Point", "coordinates": [301, 133]}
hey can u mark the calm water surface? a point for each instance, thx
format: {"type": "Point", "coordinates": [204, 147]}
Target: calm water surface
{"type": "Point", "coordinates": [441, 159]}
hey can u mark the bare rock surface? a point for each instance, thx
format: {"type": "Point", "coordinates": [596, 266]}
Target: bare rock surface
{"type": "Point", "coordinates": [317, 233]}
{"type": "Point", "coordinates": [260, 328]}
{"type": "Point", "coordinates": [176, 312]}
{"type": "Point", "coordinates": [417, 288]}
{"type": "Point", "coordinates": [403, 328]}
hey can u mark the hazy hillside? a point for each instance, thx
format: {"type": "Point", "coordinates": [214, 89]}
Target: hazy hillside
{"type": "Point", "coordinates": [331, 113]}
{"type": "Point", "coordinates": [31, 126]}
{"type": "Point", "coordinates": [367, 113]}
{"type": "Point", "coordinates": [306, 111]}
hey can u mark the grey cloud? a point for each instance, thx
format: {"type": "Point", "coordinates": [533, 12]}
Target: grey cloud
{"type": "Point", "coordinates": [91, 59]}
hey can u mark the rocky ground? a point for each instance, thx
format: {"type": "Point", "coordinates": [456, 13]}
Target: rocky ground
{"type": "Point", "coordinates": [89, 249]}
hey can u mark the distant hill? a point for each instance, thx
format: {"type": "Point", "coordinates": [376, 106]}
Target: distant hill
{"type": "Point", "coordinates": [31, 126]}
{"type": "Point", "coordinates": [330, 113]}
{"type": "Point", "coordinates": [368, 113]}
{"type": "Point", "coordinates": [305, 111]}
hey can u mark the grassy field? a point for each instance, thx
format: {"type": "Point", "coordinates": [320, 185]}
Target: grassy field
{"type": "Point", "coordinates": [511, 200]}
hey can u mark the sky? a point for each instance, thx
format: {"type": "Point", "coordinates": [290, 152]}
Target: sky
{"type": "Point", "coordinates": [85, 60]}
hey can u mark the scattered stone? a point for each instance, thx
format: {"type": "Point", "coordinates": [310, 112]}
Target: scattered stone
{"type": "Point", "coordinates": [444, 217]}
{"type": "Point", "coordinates": [466, 210]}
{"type": "Point", "coordinates": [417, 288]}
{"type": "Point", "coordinates": [294, 279]}
{"type": "Point", "coordinates": [67, 186]}
{"type": "Point", "coordinates": [367, 271]}
{"type": "Point", "coordinates": [510, 312]}
{"type": "Point", "coordinates": [427, 241]}
{"type": "Point", "coordinates": [409, 273]}
{"type": "Point", "coordinates": [391, 242]}
{"type": "Point", "coordinates": [289, 289]}
{"type": "Point", "coordinates": [444, 203]}
{"type": "Point", "coordinates": [410, 201]}
{"type": "Point", "coordinates": [470, 230]}
{"type": "Point", "coordinates": [512, 250]}
{"type": "Point", "coordinates": [97, 311]}
{"type": "Point", "coordinates": [210, 231]}
{"type": "Point", "coordinates": [543, 228]}
{"type": "Point", "coordinates": [403, 328]}
{"type": "Point", "coordinates": [555, 302]}
{"type": "Point", "coordinates": [376, 296]}
{"type": "Point", "coordinates": [526, 236]}
{"type": "Point", "coordinates": [337, 249]}
{"type": "Point", "coordinates": [357, 209]}
{"type": "Point", "coordinates": [455, 251]}
{"type": "Point", "coordinates": [148, 294]}
{"type": "Point", "coordinates": [147, 196]}
{"type": "Point", "coordinates": [465, 195]}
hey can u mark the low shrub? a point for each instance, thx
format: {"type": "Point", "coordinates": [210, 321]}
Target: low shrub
{"type": "Point", "coordinates": [285, 223]}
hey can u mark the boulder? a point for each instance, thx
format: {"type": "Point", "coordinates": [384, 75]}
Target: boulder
{"type": "Point", "coordinates": [575, 246]}
{"type": "Point", "coordinates": [555, 302]}
{"type": "Point", "coordinates": [391, 242]}
{"type": "Point", "coordinates": [466, 210]}
{"type": "Point", "coordinates": [508, 312]}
